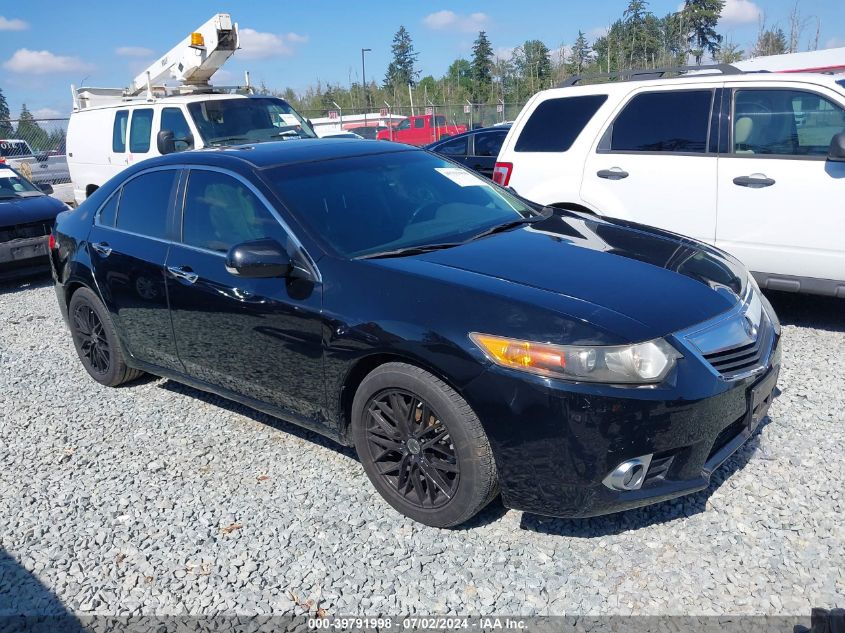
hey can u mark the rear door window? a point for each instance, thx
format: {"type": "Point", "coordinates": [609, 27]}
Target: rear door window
{"type": "Point", "coordinates": [669, 122]}
{"type": "Point", "coordinates": [140, 131]}
{"type": "Point", "coordinates": [145, 203]}
{"type": "Point", "coordinates": [453, 147]}
{"type": "Point", "coordinates": [121, 122]}
{"type": "Point", "coordinates": [556, 123]}
{"type": "Point", "coordinates": [489, 143]}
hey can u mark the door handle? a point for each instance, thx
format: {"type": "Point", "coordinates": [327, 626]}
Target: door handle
{"type": "Point", "coordinates": [102, 248]}
{"type": "Point", "coordinates": [183, 273]}
{"type": "Point", "coordinates": [614, 173]}
{"type": "Point", "coordinates": [755, 181]}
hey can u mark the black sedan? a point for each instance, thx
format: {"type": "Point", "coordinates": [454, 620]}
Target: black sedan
{"type": "Point", "coordinates": [464, 340]}
{"type": "Point", "coordinates": [476, 149]}
{"type": "Point", "coordinates": [26, 218]}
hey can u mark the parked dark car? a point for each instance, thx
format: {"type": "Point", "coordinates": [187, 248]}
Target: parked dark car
{"type": "Point", "coordinates": [26, 218]}
{"type": "Point", "coordinates": [476, 149]}
{"type": "Point", "coordinates": [461, 338]}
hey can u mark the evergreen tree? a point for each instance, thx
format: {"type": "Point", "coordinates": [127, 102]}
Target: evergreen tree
{"type": "Point", "coordinates": [700, 18]}
{"type": "Point", "coordinates": [770, 42]}
{"type": "Point", "coordinates": [730, 53]}
{"type": "Point", "coordinates": [579, 57]}
{"type": "Point", "coordinates": [5, 117]}
{"type": "Point", "coordinates": [533, 64]}
{"type": "Point", "coordinates": [482, 67]}
{"type": "Point", "coordinates": [30, 131]}
{"type": "Point", "coordinates": [402, 70]}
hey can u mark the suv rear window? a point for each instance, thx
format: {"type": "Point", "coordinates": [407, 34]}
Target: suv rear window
{"type": "Point", "coordinates": [674, 122]}
{"type": "Point", "coordinates": [556, 123]}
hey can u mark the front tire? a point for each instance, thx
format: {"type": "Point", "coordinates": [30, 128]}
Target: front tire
{"type": "Point", "coordinates": [422, 446]}
{"type": "Point", "coordinates": [96, 341]}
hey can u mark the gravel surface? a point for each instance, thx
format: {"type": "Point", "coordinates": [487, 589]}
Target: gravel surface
{"type": "Point", "coordinates": [158, 499]}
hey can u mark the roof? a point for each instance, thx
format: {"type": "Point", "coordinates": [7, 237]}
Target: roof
{"type": "Point", "coordinates": [825, 60]}
{"type": "Point", "coordinates": [276, 153]}
{"type": "Point", "coordinates": [103, 103]}
{"type": "Point", "coordinates": [499, 127]}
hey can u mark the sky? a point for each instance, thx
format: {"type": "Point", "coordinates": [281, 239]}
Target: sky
{"type": "Point", "coordinates": [45, 47]}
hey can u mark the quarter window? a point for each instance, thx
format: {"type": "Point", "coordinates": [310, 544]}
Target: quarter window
{"type": "Point", "coordinates": [556, 123]}
{"type": "Point", "coordinates": [145, 202]}
{"type": "Point", "coordinates": [221, 212]}
{"type": "Point", "coordinates": [784, 123]}
{"type": "Point", "coordinates": [108, 212]}
{"type": "Point", "coordinates": [670, 122]}
{"type": "Point", "coordinates": [118, 140]}
{"type": "Point", "coordinates": [173, 120]}
{"type": "Point", "coordinates": [139, 133]}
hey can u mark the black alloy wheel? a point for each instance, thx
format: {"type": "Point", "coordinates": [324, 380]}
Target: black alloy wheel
{"type": "Point", "coordinates": [93, 344]}
{"type": "Point", "coordinates": [412, 448]}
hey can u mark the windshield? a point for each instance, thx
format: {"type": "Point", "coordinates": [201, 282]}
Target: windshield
{"type": "Point", "coordinates": [251, 120]}
{"type": "Point", "coordinates": [397, 200]}
{"type": "Point", "coordinates": [10, 149]}
{"type": "Point", "coordinates": [14, 186]}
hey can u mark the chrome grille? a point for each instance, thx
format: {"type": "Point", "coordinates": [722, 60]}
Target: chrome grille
{"type": "Point", "coordinates": [737, 359]}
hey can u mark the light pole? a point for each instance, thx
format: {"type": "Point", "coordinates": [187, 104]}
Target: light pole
{"type": "Point", "coordinates": [364, 82]}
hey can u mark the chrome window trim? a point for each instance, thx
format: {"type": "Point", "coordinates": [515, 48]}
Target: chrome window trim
{"type": "Point", "coordinates": [766, 331]}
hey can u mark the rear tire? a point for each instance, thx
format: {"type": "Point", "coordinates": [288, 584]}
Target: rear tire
{"type": "Point", "coordinates": [422, 446]}
{"type": "Point", "coordinates": [96, 341]}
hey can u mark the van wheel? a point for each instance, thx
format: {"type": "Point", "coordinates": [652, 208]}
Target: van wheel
{"type": "Point", "coordinates": [96, 341]}
{"type": "Point", "coordinates": [422, 446]}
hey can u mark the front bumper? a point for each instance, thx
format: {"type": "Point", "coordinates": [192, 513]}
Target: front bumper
{"type": "Point", "coordinates": [554, 443]}
{"type": "Point", "coordinates": [24, 256]}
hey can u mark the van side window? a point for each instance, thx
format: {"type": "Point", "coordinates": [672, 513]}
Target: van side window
{"type": "Point", "coordinates": [777, 122]}
{"type": "Point", "coordinates": [556, 123]}
{"type": "Point", "coordinates": [140, 131]}
{"type": "Point", "coordinates": [118, 139]}
{"type": "Point", "coordinates": [172, 119]}
{"type": "Point", "coordinates": [672, 122]}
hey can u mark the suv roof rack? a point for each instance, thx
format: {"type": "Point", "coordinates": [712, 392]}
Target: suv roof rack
{"type": "Point", "coordinates": [642, 74]}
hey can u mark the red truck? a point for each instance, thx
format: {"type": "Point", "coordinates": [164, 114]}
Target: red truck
{"type": "Point", "coordinates": [420, 130]}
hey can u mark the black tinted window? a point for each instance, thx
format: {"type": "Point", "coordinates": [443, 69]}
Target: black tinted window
{"type": "Point", "coordinates": [556, 123]}
{"type": "Point", "coordinates": [144, 203]}
{"type": "Point", "coordinates": [118, 141]}
{"type": "Point", "coordinates": [173, 120]}
{"type": "Point", "coordinates": [663, 122]}
{"type": "Point", "coordinates": [139, 133]}
{"type": "Point", "coordinates": [454, 147]}
{"type": "Point", "coordinates": [419, 122]}
{"type": "Point", "coordinates": [220, 212]}
{"type": "Point", "coordinates": [108, 212]}
{"type": "Point", "coordinates": [489, 143]}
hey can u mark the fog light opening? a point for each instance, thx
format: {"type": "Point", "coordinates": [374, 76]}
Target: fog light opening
{"type": "Point", "coordinates": [629, 475]}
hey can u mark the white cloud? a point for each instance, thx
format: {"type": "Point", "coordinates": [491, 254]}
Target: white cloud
{"type": "Point", "coordinates": [43, 62]}
{"type": "Point", "coordinates": [12, 24]}
{"type": "Point", "coordinates": [134, 51]}
{"type": "Point", "coordinates": [47, 113]}
{"type": "Point", "coordinates": [597, 31]}
{"type": "Point", "coordinates": [258, 45]}
{"type": "Point", "coordinates": [442, 20]}
{"type": "Point", "coordinates": [834, 42]}
{"type": "Point", "coordinates": [738, 12]}
{"type": "Point", "coordinates": [504, 52]}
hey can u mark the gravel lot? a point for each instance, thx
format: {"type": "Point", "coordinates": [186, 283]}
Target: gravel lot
{"type": "Point", "coordinates": [158, 499]}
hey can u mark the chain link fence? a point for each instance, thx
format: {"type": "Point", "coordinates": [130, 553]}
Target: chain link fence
{"type": "Point", "coordinates": [37, 148]}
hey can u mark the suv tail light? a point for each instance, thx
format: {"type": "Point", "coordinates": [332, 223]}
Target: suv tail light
{"type": "Point", "coordinates": [502, 173]}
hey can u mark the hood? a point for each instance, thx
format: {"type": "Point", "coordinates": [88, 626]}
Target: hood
{"type": "Point", "coordinates": [664, 281]}
{"type": "Point", "coordinates": [32, 209]}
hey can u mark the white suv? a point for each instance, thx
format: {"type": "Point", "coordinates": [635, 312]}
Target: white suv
{"type": "Point", "coordinates": [751, 162]}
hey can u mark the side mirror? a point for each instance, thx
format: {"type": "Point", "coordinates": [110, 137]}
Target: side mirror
{"type": "Point", "coordinates": [46, 188]}
{"type": "Point", "coordinates": [165, 142]}
{"type": "Point", "coordinates": [258, 259]}
{"type": "Point", "coordinates": [837, 148]}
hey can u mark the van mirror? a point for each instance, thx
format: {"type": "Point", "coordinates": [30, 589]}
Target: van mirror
{"type": "Point", "coordinates": [46, 188]}
{"type": "Point", "coordinates": [165, 142]}
{"type": "Point", "coordinates": [837, 148]}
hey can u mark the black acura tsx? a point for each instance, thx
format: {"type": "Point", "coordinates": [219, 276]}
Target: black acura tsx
{"type": "Point", "coordinates": [464, 340]}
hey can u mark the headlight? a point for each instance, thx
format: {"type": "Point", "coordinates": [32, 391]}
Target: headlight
{"type": "Point", "coordinates": [642, 363]}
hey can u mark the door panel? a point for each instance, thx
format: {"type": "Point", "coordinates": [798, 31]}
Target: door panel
{"type": "Point", "coordinates": [258, 337]}
{"type": "Point", "coordinates": [652, 165]}
{"type": "Point", "coordinates": [779, 203]}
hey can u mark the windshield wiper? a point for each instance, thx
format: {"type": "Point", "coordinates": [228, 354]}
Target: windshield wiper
{"type": "Point", "coordinates": [500, 228]}
{"type": "Point", "coordinates": [228, 139]}
{"type": "Point", "coordinates": [410, 250]}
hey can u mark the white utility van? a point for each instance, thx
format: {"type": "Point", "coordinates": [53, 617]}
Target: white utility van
{"type": "Point", "coordinates": [112, 128]}
{"type": "Point", "coordinates": [751, 162]}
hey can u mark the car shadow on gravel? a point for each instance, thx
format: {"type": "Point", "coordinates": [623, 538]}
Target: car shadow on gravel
{"type": "Point", "coordinates": [26, 604]}
{"type": "Point", "coordinates": [821, 313]}
{"type": "Point", "coordinates": [631, 520]}
{"type": "Point", "coordinates": [22, 284]}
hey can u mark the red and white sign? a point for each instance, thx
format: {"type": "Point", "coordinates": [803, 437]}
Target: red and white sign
{"type": "Point", "coordinates": [333, 114]}
{"type": "Point", "coordinates": [383, 112]}
{"type": "Point", "coordinates": [467, 109]}
{"type": "Point", "coordinates": [500, 108]}
{"type": "Point", "coordinates": [429, 110]}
